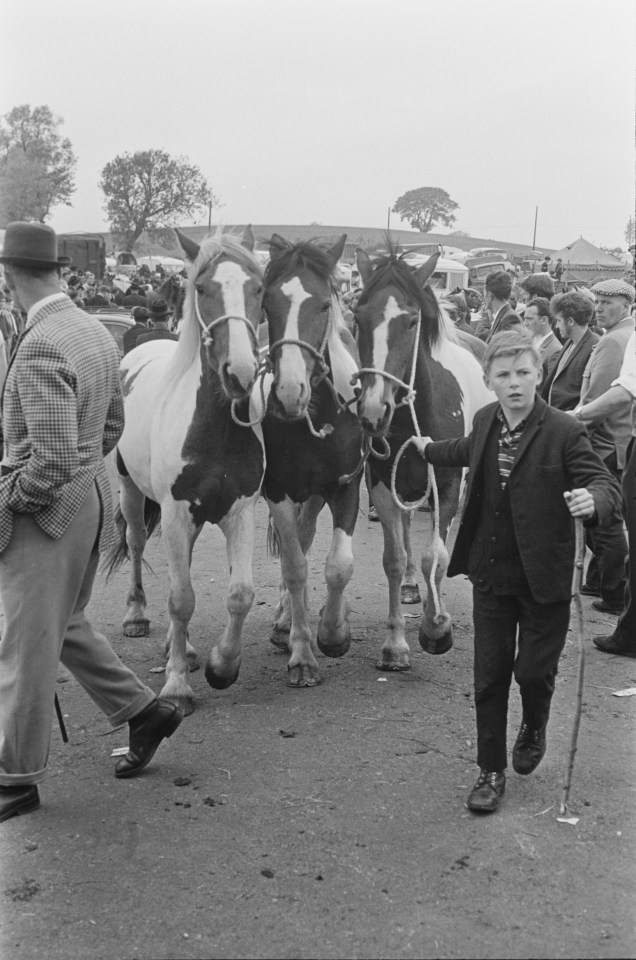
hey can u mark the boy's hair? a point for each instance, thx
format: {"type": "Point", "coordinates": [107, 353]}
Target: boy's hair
{"type": "Point", "coordinates": [573, 306]}
{"type": "Point", "coordinates": [510, 343]}
{"type": "Point", "coordinates": [542, 305]}
{"type": "Point", "coordinates": [499, 283]}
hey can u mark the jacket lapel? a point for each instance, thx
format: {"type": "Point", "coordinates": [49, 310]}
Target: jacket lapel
{"type": "Point", "coordinates": [531, 429]}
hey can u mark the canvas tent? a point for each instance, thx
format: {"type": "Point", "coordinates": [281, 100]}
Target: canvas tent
{"type": "Point", "coordinates": [583, 262]}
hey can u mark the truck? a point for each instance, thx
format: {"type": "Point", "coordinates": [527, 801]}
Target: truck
{"type": "Point", "coordinates": [86, 251]}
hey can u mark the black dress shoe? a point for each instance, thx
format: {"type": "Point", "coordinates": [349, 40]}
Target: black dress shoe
{"type": "Point", "coordinates": [611, 645]}
{"type": "Point", "coordinates": [610, 608]}
{"type": "Point", "coordinates": [17, 800]}
{"type": "Point", "coordinates": [487, 792]}
{"type": "Point", "coordinates": [159, 720]}
{"type": "Point", "coordinates": [529, 749]}
{"type": "Point", "coordinates": [589, 591]}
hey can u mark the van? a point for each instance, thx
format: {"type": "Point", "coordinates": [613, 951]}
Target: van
{"type": "Point", "coordinates": [448, 274]}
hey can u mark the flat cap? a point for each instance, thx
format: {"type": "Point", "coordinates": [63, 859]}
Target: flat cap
{"type": "Point", "coordinates": [615, 288]}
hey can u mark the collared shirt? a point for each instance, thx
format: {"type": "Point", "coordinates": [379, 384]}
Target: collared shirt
{"type": "Point", "coordinates": [627, 376]}
{"type": "Point", "coordinates": [508, 444]}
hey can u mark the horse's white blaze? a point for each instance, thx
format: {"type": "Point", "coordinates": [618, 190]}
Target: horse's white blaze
{"type": "Point", "coordinates": [292, 371]}
{"type": "Point", "coordinates": [374, 397]}
{"type": "Point", "coordinates": [241, 362]}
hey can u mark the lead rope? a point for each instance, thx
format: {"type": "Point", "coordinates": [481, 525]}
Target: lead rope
{"type": "Point", "coordinates": [416, 440]}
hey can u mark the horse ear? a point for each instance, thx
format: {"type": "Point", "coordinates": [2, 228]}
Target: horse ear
{"type": "Point", "coordinates": [365, 267]}
{"type": "Point", "coordinates": [189, 247]}
{"type": "Point", "coordinates": [335, 252]}
{"type": "Point", "coordinates": [247, 239]}
{"type": "Point", "coordinates": [277, 245]}
{"type": "Point", "coordinates": [425, 272]}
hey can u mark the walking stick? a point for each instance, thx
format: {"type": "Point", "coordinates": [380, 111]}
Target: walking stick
{"type": "Point", "coordinates": [60, 720]}
{"type": "Point", "coordinates": [577, 578]}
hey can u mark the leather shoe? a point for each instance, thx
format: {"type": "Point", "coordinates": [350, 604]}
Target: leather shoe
{"type": "Point", "coordinates": [611, 645]}
{"type": "Point", "coordinates": [487, 792]}
{"type": "Point", "coordinates": [589, 591]}
{"type": "Point", "coordinates": [604, 607]}
{"type": "Point", "coordinates": [158, 720]}
{"type": "Point", "coordinates": [17, 800]}
{"type": "Point", "coordinates": [529, 749]}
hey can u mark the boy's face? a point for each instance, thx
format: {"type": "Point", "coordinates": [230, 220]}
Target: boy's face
{"type": "Point", "coordinates": [514, 381]}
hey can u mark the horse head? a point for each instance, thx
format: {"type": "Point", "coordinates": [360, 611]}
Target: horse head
{"type": "Point", "coordinates": [224, 296]}
{"type": "Point", "coordinates": [397, 311]}
{"type": "Point", "coordinates": [299, 291]}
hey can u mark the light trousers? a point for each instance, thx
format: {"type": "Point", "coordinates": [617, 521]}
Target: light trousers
{"type": "Point", "coordinates": [45, 585]}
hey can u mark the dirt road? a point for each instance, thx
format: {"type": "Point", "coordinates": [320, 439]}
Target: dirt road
{"type": "Point", "coordinates": [325, 822]}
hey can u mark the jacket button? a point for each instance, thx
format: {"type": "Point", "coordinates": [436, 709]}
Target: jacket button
{"type": "Point", "coordinates": [498, 514]}
{"type": "Point", "coordinates": [492, 561]}
{"type": "Point", "coordinates": [493, 539]}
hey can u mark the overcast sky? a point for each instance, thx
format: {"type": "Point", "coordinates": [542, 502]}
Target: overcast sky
{"type": "Point", "coordinates": [300, 111]}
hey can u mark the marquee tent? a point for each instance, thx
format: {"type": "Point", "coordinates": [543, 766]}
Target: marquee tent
{"type": "Point", "coordinates": [583, 262]}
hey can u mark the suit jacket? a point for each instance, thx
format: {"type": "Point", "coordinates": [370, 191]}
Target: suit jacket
{"type": "Point", "coordinates": [550, 346]}
{"type": "Point", "coordinates": [506, 319]}
{"type": "Point", "coordinates": [554, 455]}
{"type": "Point", "coordinates": [562, 389]}
{"type": "Point", "coordinates": [613, 434]}
{"type": "Point", "coordinates": [157, 333]}
{"type": "Point", "coordinates": [62, 412]}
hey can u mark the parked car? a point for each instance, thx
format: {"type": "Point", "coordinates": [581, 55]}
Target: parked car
{"type": "Point", "coordinates": [117, 324]}
{"type": "Point", "coordinates": [478, 270]}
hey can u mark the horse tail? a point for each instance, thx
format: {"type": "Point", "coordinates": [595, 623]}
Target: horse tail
{"type": "Point", "coordinates": [273, 543]}
{"type": "Point", "coordinates": [118, 553]}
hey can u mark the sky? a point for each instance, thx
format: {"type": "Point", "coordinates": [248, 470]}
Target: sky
{"type": "Point", "coordinates": [326, 112]}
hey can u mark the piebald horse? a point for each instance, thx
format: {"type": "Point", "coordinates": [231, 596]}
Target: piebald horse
{"type": "Point", "coordinates": [312, 443]}
{"type": "Point", "coordinates": [415, 378]}
{"type": "Point", "coordinates": [184, 455]}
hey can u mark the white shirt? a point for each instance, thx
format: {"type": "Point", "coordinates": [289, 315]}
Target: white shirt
{"type": "Point", "coordinates": [627, 376]}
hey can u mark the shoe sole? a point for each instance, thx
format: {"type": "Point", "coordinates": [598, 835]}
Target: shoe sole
{"type": "Point", "coordinates": [170, 729]}
{"type": "Point", "coordinates": [25, 808]}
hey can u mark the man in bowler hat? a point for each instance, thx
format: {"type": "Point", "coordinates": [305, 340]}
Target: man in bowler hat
{"type": "Point", "coordinates": [62, 412]}
{"type": "Point", "coordinates": [159, 319]}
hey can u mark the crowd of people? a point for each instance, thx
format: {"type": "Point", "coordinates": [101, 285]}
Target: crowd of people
{"type": "Point", "coordinates": [557, 362]}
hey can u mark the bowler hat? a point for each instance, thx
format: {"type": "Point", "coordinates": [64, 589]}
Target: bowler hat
{"type": "Point", "coordinates": [159, 309]}
{"type": "Point", "coordinates": [31, 245]}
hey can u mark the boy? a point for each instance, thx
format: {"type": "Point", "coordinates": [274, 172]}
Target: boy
{"type": "Point", "coordinates": [531, 469]}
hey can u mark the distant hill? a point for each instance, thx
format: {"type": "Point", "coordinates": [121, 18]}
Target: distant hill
{"type": "Point", "coordinates": [365, 237]}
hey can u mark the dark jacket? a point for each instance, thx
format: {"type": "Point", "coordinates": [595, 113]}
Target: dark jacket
{"type": "Point", "coordinates": [563, 389]}
{"type": "Point", "coordinates": [131, 336]}
{"type": "Point", "coordinates": [506, 319]}
{"type": "Point", "coordinates": [156, 333]}
{"type": "Point", "coordinates": [554, 455]}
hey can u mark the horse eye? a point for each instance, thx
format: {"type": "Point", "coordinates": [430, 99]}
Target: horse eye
{"type": "Point", "coordinates": [412, 323]}
{"type": "Point", "coordinates": [325, 307]}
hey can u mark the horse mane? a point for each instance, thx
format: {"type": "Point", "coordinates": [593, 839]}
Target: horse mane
{"type": "Point", "coordinates": [212, 249]}
{"type": "Point", "coordinates": [393, 269]}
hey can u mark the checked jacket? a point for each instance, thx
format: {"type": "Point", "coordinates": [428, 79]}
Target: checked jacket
{"type": "Point", "coordinates": [62, 412]}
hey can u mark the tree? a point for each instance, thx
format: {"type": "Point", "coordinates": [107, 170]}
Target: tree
{"type": "Point", "coordinates": [425, 207]}
{"type": "Point", "coordinates": [630, 232]}
{"type": "Point", "coordinates": [37, 164]}
{"type": "Point", "coordinates": [150, 191]}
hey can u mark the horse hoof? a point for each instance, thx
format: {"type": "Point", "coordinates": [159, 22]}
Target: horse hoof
{"type": "Point", "coordinates": [302, 676]}
{"type": "Point", "coordinates": [137, 628]}
{"type": "Point", "coordinates": [393, 666]}
{"type": "Point", "coordinates": [337, 648]}
{"type": "Point", "coordinates": [410, 593]}
{"type": "Point", "coordinates": [217, 680]}
{"type": "Point", "coordinates": [435, 645]}
{"type": "Point", "coordinates": [280, 639]}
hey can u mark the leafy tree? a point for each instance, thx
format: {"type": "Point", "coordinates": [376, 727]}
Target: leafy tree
{"type": "Point", "coordinates": [150, 191]}
{"type": "Point", "coordinates": [37, 164]}
{"type": "Point", "coordinates": [630, 232]}
{"type": "Point", "coordinates": [425, 207]}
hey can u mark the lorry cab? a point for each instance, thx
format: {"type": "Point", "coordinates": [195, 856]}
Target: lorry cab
{"type": "Point", "coordinates": [448, 274]}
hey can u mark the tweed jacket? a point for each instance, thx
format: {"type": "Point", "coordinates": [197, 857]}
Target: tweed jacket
{"type": "Point", "coordinates": [611, 435]}
{"type": "Point", "coordinates": [62, 412]}
{"type": "Point", "coordinates": [554, 455]}
{"type": "Point", "coordinates": [563, 389]}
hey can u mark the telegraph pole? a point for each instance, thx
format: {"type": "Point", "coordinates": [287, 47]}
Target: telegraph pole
{"type": "Point", "coordinates": [534, 235]}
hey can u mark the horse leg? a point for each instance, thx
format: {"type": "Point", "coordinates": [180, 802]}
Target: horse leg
{"type": "Point", "coordinates": [436, 629]}
{"type": "Point", "coordinates": [179, 535]}
{"type": "Point", "coordinates": [224, 660]}
{"type": "Point", "coordinates": [306, 523]}
{"type": "Point", "coordinates": [395, 650]}
{"type": "Point", "coordinates": [131, 502]}
{"type": "Point", "coordinates": [302, 667]}
{"type": "Point", "coordinates": [409, 591]}
{"type": "Point", "coordinates": [334, 632]}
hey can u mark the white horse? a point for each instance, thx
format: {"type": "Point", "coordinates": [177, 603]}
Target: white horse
{"type": "Point", "coordinates": [186, 456]}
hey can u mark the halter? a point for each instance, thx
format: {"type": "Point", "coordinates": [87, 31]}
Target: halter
{"type": "Point", "coordinates": [208, 340]}
{"type": "Point", "coordinates": [431, 485]}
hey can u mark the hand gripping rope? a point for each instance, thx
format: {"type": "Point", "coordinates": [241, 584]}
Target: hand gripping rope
{"type": "Point", "coordinates": [417, 441]}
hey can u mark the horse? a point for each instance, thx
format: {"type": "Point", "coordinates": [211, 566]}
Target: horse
{"type": "Point", "coordinates": [189, 453]}
{"type": "Point", "coordinates": [416, 379]}
{"type": "Point", "coordinates": [312, 444]}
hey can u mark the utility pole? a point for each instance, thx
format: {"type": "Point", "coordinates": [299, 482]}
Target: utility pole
{"type": "Point", "coordinates": [534, 235]}
{"type": "Point", "coordinates": [209, 214]}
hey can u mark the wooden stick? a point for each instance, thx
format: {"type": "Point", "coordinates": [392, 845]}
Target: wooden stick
{"type": "Point", "coordinates": [577, 579]}
{"type": "Point", "coordinates": [60, 720]}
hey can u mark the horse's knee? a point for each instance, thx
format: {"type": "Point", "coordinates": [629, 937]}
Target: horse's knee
{"type": "Point", "coordinates": [240, 599]}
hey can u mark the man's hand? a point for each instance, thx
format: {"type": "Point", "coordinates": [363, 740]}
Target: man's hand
{"type": "Point", "coordinates": [580, 503]}
{"type": "Point", "coordinates": [421, 444]}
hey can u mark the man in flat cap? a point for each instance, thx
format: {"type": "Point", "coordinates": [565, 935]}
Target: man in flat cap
{"type": "Point", "coordinates": [62, 412]}
{"type": "Point", "coordinates": [610, 438]}
{"type": "Point", "coordinates": [140, 316]}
